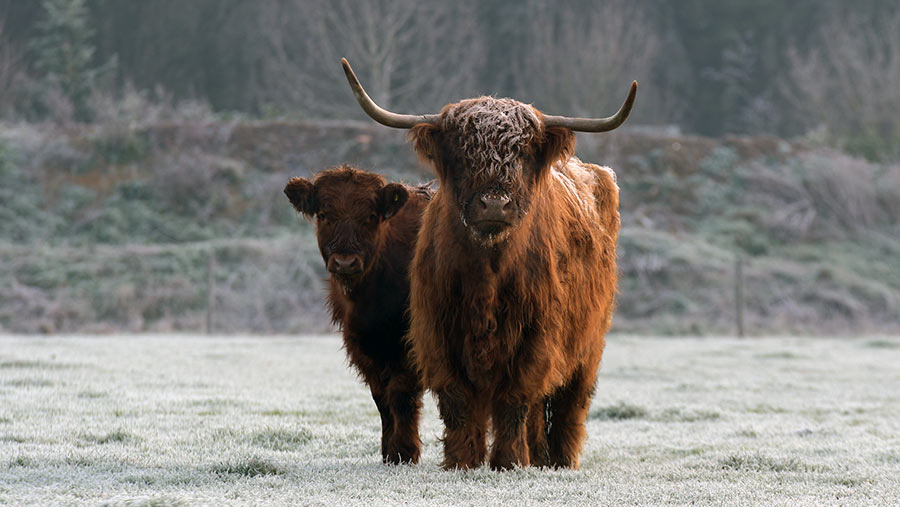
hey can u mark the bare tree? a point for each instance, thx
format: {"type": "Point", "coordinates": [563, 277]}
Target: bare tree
{"type": "Point", "coordinates": [412, 55]}
{"type": "Point", "coordinates": [583, 57]}
{"type": "Point", "coordinates": [848, 82]}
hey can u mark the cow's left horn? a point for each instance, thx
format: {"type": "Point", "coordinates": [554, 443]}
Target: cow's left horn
{"type": "Point", "coordinates": [595, 124]}
{"type": "Point", "coordinates": [383, 116]}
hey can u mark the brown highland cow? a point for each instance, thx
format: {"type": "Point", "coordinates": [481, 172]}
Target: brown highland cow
{"type": "Point", "coordinates": [366, 231]}
{"type": "Point", "coordinates": [513, 278]}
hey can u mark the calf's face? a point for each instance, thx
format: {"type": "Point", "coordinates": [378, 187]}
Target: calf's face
{"type": "Point", "coordinates": [492, 155]}
{"type": "Point", "coordinates": [349, 207]}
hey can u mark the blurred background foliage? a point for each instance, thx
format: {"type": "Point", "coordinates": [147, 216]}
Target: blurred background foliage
{"type": "Point", "coordinates": [141, 140]}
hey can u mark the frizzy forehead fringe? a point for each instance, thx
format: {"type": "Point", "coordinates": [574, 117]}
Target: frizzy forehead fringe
{"type": "Point", "coordinates": [491, 133]}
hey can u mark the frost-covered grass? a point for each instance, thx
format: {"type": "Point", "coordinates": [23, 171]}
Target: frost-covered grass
{"type": "Point", "coordinates": [191, 420]}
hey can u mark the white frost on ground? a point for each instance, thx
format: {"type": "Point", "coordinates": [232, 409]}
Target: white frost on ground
{"type": "Point", "coordinates": [190, 420]}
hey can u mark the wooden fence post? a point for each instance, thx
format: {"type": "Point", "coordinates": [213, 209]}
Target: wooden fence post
{"type": "Point", "coordinates": [739, 295]}
{"type": "Point", "coordinates": [210, 289]}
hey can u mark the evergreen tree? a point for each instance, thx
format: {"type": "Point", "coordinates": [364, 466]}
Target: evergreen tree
{"type": "Point", "coordinates": [64, 52]}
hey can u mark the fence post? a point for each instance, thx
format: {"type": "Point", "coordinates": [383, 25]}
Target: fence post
{"type": "Point", "coordinates": [210, 289]}
{"type": "Point", "coordinates": [739, 294]}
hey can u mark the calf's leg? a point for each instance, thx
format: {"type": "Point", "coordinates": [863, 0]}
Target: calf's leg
{"type": "Point", "coordinates": [404, 445]}
{"type": "Point", "coordinates": [387, 419]}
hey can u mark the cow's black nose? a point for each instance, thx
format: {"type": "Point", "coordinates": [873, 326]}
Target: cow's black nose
{"type": "Point", "coordinates": [494, 207]}
{"type": "Point", "coordinates": [495, 204]}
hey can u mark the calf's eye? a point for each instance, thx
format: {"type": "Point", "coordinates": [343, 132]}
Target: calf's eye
{"type": "Point", "coordinates": [321, 217]}
{"type": "Point", "coordinates": [373, 217]}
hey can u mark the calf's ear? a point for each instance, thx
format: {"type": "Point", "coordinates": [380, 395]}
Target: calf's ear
{"type": "Point", "coordinates": [391, 198]}
{"type": "Point", "coordinates": [301, 193]}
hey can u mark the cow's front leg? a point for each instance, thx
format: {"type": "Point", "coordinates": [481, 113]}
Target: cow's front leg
{"type": "Point", "coordinates": [465, 425]}
{"type": "Point", "coordinates": [510, 414]}
{"type": "Point", "coordinates": [570, 408]}
{"type": "Point", "coordinates": [538, 427]}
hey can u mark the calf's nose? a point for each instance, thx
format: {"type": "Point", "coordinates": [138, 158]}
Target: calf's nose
{"type": "Point", "coordinates": [344, 264]}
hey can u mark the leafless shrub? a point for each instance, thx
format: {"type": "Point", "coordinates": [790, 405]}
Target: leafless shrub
{"type": "Point", "coordinates": [130, 108]}
{"type": "Point", "coordinates": [192, 181]}
{"type": "Point", "coordinates": [848, 82]}
{"type": "Point", "coordinates": [825, 194]}
{"type": "Point", "coordinates": [411, 55]}
{"type": "Point", "coordinates": [56, 105]}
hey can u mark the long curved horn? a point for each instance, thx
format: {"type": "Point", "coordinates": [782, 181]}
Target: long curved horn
{"type": "Point", "coordinates": [383, 116]}
{"type": "Point", "coordinates": [595, 124]}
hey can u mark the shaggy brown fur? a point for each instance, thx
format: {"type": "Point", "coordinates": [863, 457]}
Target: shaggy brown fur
{"type": "Point", "coordinates": [366, 232]}
{"type": "Point", "coordinates": [508, 328]}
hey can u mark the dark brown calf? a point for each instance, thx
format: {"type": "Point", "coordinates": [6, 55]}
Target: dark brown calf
{"type": "Point", "coordinates": [366, 231]}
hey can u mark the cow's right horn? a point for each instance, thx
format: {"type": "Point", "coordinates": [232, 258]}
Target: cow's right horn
{"type": "Point", "coordinates": [383, 116]}
{"type": "Point", "coordinates": [595, 124]}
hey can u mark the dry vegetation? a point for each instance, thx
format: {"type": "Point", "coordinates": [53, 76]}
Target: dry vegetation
{"type": "Point", "coordinates": [111, 228]}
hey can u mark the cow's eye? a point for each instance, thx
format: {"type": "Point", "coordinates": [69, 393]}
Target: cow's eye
{"type": "Point", "coordinates": [373, 217]}
{"type": "Point", "coordinates": [321, 217]}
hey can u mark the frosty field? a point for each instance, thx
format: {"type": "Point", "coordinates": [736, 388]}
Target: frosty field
{"type": "Point", "coordinates": [193, 420]}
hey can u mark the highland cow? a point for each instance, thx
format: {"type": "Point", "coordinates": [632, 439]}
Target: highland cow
{"type": "Point", "coordinates": [513, 278]}
{"type": "Point", "coordinates": [366, 231]}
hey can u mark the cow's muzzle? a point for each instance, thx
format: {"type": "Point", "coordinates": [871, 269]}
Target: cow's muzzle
{"type": "Point", "coordinates": [493, 212]}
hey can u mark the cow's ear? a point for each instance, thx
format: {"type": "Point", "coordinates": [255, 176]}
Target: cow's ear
{"type": "Point", "coordinates": [426, 141]}
{"type": "Point", "coordinates": [301, 193]}
{"type": "Point", "coordinates": [559, 144]}
{"type": "Point", "coordinates": [391, 198]}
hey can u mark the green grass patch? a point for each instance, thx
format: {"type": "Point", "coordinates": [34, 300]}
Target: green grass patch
{"type": "Point", "coordinates": [92, 395]}
{"type": "Point", "coordinates": [118, 436]}
{"type": "Point", "coordinates": [282, 440]}
{"type": "Point", "coordinates": [619, 412]}
{"type": "Point", "coordinates": [761, 463]}
{"type": "Point", "coordinates": [883, 344]}
{"type": "Point", "coordinates": [20, 462]}
{"type": "Point", "coordinates": [285, 413]}
{"type": "Point", "coordinates": [679, 415]}
{"type": "Point", "coordinates": [30, 382]}
{"type": "Point", "coordinates": [156, 501]}
{"type": "Point", "coordinates": [248, 467]}
{"type": "Point", "coordinates": [779, 355]}
{"type": "Point", "coordinates": [32, 364]}
{"type": "Point", "coordinates": [764, 408]}
{"type": "Point", "coordinates": [80, 460]}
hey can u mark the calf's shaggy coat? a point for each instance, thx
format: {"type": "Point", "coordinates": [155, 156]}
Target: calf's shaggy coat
{"type": "Point", "coordinates": [366, 231]}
